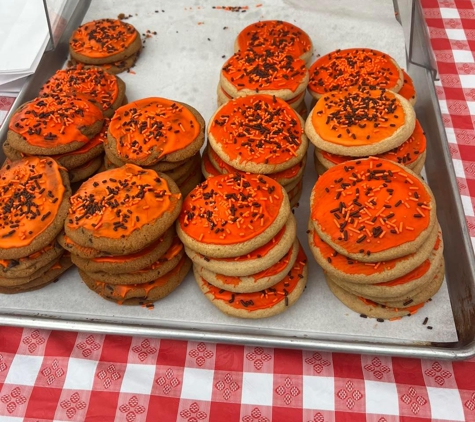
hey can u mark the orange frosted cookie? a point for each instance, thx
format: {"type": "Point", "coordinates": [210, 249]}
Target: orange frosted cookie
{"type": "Point", "coordinates": [275, 35]}
{"type": "Point", "coordinates": [233, 214]}
{"type": "Point", "coordinates": [360, 122]}
{"type": "Point", "coordinates": [372, 210]}
{"type": "Point", "coordinates": [122, 211]}
{"type": "Point", "coordinates": [407, 90]}
{"type": "Point", "coordinates": [151, 130]}
{"type": "Point", "coordinates": [104, 41]}
{"type": "Point", "coordinates": [341, 69]}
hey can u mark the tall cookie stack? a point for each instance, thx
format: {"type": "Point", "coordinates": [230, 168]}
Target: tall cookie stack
{"type": "Point", "coordinates": [120, 232]}
{"type": "Point", "coordinates": [34, 204]}
{"type": "Point", "coordinates": [258, 134]}
{"type": "Point", "coordinates": [357, 112]}
{"type": "Point", "coordinates": [270, 58]}
{"type": "Point", "coordinates": [109, 43]}
{"type": "Point", "coordinates": [158, 134]}
{"type": "Point", "coordinates": [65, 127]}
{"type": "Point", "coordinates": [373, 228]}
{"type": "Point", "coordinates": [241, 236]}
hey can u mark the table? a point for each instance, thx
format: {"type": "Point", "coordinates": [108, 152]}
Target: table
{"type": "Point", "coordinates": [66, 376]}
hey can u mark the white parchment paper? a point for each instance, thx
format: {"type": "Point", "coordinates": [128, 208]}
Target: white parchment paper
{"type": "Point", "coordinates": [182, 62]}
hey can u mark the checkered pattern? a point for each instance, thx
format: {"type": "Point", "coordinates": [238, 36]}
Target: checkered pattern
{"type": "Point", "coordinates": [57, 376]}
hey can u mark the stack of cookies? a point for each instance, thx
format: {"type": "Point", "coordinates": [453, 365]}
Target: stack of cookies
{"type": "Point", "coordinates": [66, 127]}
{"type": "Point", "coordinates": [373, 228]}
{"type": "Point", "coordinates": [270, 58]}
{"type": "Point", "coordinates": [241, 236]}
{"type": "Point", "coordinates": [109, 43]}
{"type": "Point", "coordinates": [34, 204]}
{"type": "Point", "coordinates": [258, 134]}
{"type": "Point", "coordinates": [158, 134]}
{"type": "Point", "coordinates": [120, 232]}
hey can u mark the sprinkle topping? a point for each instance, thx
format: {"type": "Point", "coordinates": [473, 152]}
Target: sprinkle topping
{"type": "Point", "coordinates": [117, 202]}
{"type": "Point", "coordinates": [356, 66]}
{"type": "Point", "coordinates": [93, 82]}
{"type": "Point", "coordinates": [56, 120]}
{"type": "Point", "coordinates": [231, 208]}
{"type": "Point", "coordinates": [153, 126]}
{"type": "Point", "coordinates": [357, 117]}
{"type": "Point", "coordinates": [272, 70]}
{"type": "Point", "coordinates": [266, 298]}
{"type": "Point", "coordinates": [370, 205]}
{"type": "Point", "coordinates": [31, 194]}
{"type": "Point", "coordinates": [405, 154]}
{"type": "Point", "coordinates": [274, 35]}
{"type": "Point", "coordinates": [102, 38]}
{"type": "Point", "coordinates": [259, 128]}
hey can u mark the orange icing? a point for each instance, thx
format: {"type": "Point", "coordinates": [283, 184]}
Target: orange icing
{"type": "Point", "coordinates": [117, 202]}
{"type": "Point", "coordinates": [273, 70]}
{"type": "Point", "coordinates": [31, 193]}
{"type": "Point", "coordinates": [370, 205]}
{"type": "Point", "coordinates": [357, 117]}
{"type": "Point", "coordinates": [230, 209]}
{"type": "Point", "coordinates": [407, 90]}
{"type": "Point", "coordinates": [416, 273]}
{"type": "Point", "coordinates": [208, 165]}
{"type": "Point", "coordinates": [56, 120]}
{"type": "Point", "coordinates": [70, 243]}
{"type": "Point", "coordinates": [405, 154]}
{"type": "Point", "coordinates": [260, 128]}
{"type": "Point", "coordinates": [175, 248]}
{"type": "Point", "coordinates": [102, 38]}
{"type": "Point", "coordinates": [268, 272]}
{"type": "Point", "coordinates": [11, 263]}
{"type": "Point", "coordinates": [93, 82]}
{"type": "Point", "coordinates": [289, 101]}
{"type": "Point", "coordinates": [119, 291]}
{"type": "Point", "coordinates": [410, 309]}
{"type": "Point", "coordinates": [355, 66]}
{"type": "Point", "coordinates": [266, 298]}
{"type": "Point", "coordinates": [152, 125]}
{"type": "Point", "coordinates": [226, 168]}
{"type": "Point", "coordinates": [126, 258]}
{"type": "Point", "coordinates": [274, 35]}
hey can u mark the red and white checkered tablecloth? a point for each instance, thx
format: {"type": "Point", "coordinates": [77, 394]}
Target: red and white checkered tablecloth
{"type": "Point", "coordinates": [65, 376]}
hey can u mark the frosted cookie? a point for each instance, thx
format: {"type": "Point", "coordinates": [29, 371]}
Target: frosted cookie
{"type": "Point", "coordinates": [94, 82]}
{"type": "Point", "coordinates": [115, 67]}
{"type": "Point", "coordinates": [104, 41]}
{"type": "Point", "coordinates": [191, 181]}
{"type": "Point", "coordinates": [341, 69]}
{"type": "Point", "coordinates": [273, 72]}
{"type": "Point", "coordinates": [372, 210]}
{"type": "Point", "coordinates": [56, 124]}
{"type": "Point", "coordinates": [232, 215]}
{"type": "Point", "coordinates": [266, 303]}
{"type": "Point", "coordinates": [78, 174]}
{"type": "Point", "coordinates": [407, 90]}
{"type": "Point", "coordinates": [150, 130]}
{"type": "Point", "coordinates": [140, 294]}
{"type": "Point", "coordinates": [182, 172]}
{"type": "Point", "coordinates": [254, 282]}
{"type": "Point", "coordinates": [275, 35]}
{"type": "Point", "coordinates": [258, 134]}
{"type": "Point", "coordinates": [122, 211]}
{"type": "Point", "coordinates": [34, 204]}
{"type": "Point", "coordinates": [63, 264]}
{"type": "Point", "coordinates": [119, 264]}
{"type": "Point", "coordinates": [340, 267]}
{"type": "Point", "coordinates": [255, 261]}
{"type": "Point", "coordinates": [360, 122]}
{"type": "Point", "coordinates": [411, 153]}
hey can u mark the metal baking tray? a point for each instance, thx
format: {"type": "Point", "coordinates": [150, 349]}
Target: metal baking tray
{"type": "Point", "coordinates": [440, 175]}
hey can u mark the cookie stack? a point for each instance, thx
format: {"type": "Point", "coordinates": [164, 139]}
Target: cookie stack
{"type": "Point", "coordinates": [109, 43]}
{"type": "Point", "coordinates": [270, 58]}
{"type": "Point", "coordinates": [258, 134]}
{"type": "Point", "coordinates": [65, 127]}
{"type": "Point", "coordinates": [120, 232]}
{"type": "Point", "coordinates": [362, 122]}
{"type": "Point", "coordinates": [158, 134]}
{"type": "Point", "coordinates": [241, 236]}
{"type": "Point", "coordinates": [373, 228]}
{"type": "Point", "coordinates": [34, 204]}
